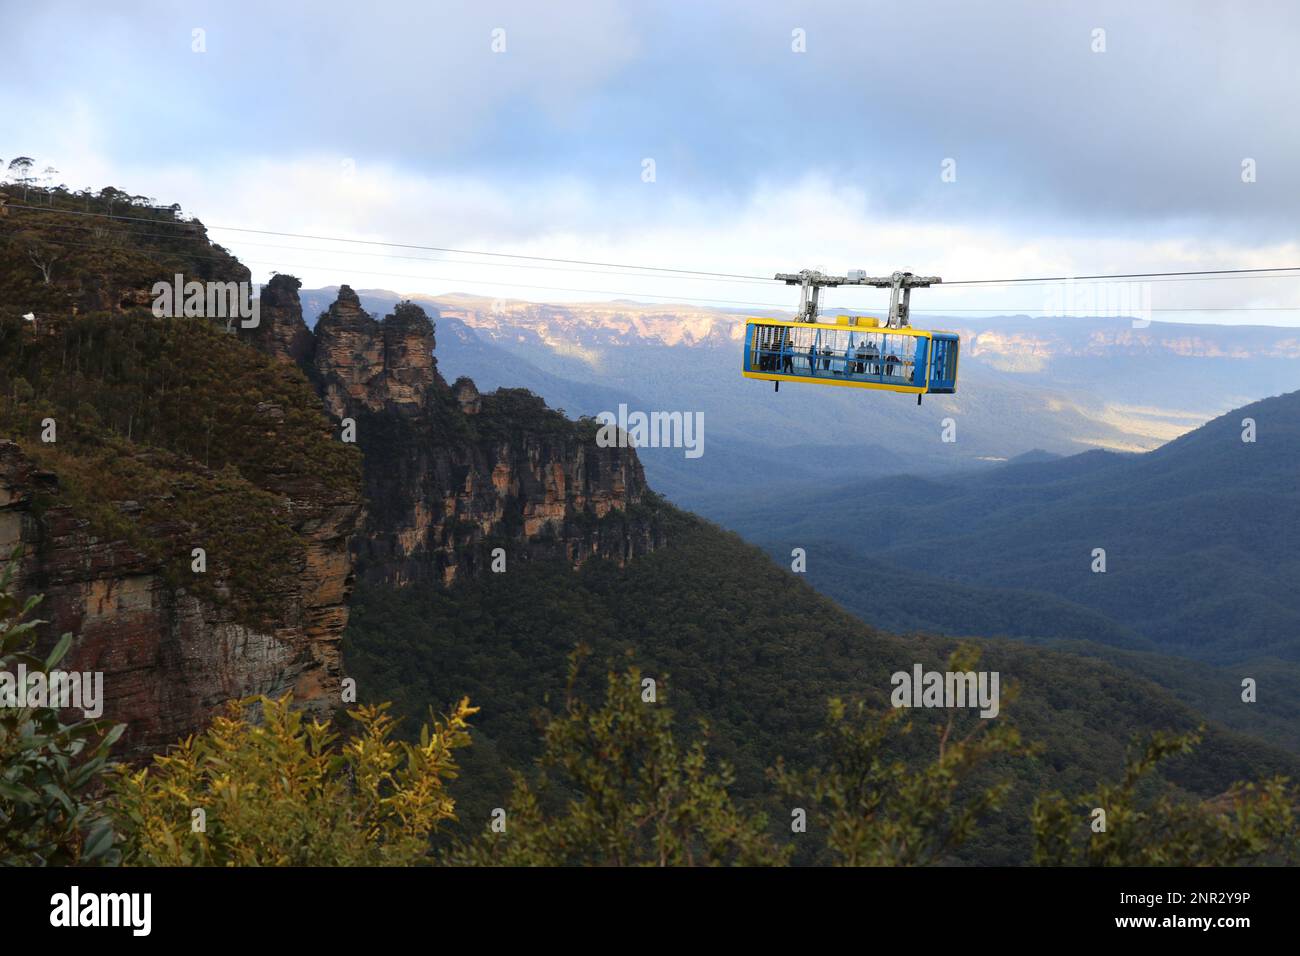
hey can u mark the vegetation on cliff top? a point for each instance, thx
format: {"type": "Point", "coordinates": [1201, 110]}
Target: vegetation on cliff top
{"type": "Point", "coordinates": [169, 433]}
{"type": "Point", "coordinates": [65, 253]}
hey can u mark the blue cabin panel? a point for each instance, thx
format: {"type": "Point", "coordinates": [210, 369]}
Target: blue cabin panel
{"type": "Point", "coordinates": [919, 366]}
{"type": "Point", "coordinates": [943, 363]}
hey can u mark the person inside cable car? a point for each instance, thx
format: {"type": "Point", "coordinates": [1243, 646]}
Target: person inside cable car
{"type": "Point", "coordinates": [860, 365]}
{"type": "Point", "coordinates": [873, 357]}
{"type": "Point", "coordinates": [812, 359]}
{"type": "Point", "coordinates": [787, 353]}
{"type": "Point", "coordinates": [890, 363]}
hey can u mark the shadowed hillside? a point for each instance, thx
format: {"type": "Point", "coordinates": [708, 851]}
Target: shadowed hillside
{"type": "Point", "coordinates": [1199, 537]}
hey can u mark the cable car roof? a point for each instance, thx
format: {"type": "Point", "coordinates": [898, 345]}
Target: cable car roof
{"type": "Point", "coordinates": [853, 323]}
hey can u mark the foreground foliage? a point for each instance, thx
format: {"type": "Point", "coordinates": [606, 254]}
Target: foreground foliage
{"type": "Point", "coordinates": [1248, 823]}
{"type": "Point", "coordinates": [47, 767]}
{"type": "Point", "coordinates": [616, 788]}
{"type": "Point", "coordinates": [265, 786]}
{"type": "Point", "coordinates": [877, 809]}
{"type": "Point", "coordinates": [757, 653]}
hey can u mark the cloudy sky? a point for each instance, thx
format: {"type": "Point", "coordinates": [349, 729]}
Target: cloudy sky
{"type": "Point", "coordinates": [1076, 138]}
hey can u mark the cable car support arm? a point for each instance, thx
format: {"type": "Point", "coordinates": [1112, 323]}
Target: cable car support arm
{"type": "Point", "coordinates": [899, 284]}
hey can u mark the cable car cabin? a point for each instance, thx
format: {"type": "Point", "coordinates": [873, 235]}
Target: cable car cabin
{"type": "Point", "coordinates": [856, 352]}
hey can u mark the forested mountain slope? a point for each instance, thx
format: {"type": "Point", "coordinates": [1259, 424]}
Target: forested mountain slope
{"type": "Point", "coordinates": [752, 649]}
{"type": "Point", "coordinates": [1199, 536]}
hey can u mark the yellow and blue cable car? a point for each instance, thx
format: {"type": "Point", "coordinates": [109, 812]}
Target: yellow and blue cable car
{"type": "Point", "coordinates": [854, 351]}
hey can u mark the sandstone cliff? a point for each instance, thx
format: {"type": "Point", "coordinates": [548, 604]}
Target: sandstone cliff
{"type": "Point", "coordinates": [170, 656]}
{"type": "Point", "coordinates": [171, 435]}
{"type": "Point", "coordinates": [451, 475]}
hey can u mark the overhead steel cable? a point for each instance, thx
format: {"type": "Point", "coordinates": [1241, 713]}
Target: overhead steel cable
{"type": "Point", "coordinates": [656, 272]}
{"type": "Point", "coordinates": [1125, 275]}
{"type": "Point", "coordinates": [780, 306]}
{"type": "Point", "coordinates": [157, 254]}
{"type": "Point", "coordinates": [459, 262]}
{"type": "Point", "coordinates": [660, 269]}
{"type": "Point", "coordinates": [404, 245]}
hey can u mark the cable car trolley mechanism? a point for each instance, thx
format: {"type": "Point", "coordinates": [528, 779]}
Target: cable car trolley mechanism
{"type": "Point", "coordinates": [855, 351]}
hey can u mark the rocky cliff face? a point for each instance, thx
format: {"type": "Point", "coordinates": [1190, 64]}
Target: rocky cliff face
{"type": "Point", "coordinates": [281, 332]}
{"type": "Point", "coordinates": [361, 364]}
{"type": "Point", "coordinates": [170, 658]}
{"type": "Point", "coordinates": [444, 498]}
{"type": "Point", "coordinates": [168, 440]}
{"type": "Point", "coordinates": [452, 475]}
{"type": "Point", "coordinates": [452, 480]}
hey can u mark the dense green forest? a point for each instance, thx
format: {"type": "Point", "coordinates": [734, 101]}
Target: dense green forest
{"type": "Point", "coordinates": [900, 600]}
{"type": "Point", "coordinates": [616, 782]}
{"type": "Point", "coordinates": [755, 652]}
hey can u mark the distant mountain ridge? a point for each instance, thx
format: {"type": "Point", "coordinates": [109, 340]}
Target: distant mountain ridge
{"type": "Point", "coordinates": [1059, 385]}
{"type": "Point", "coordinates": [1199, 536]}
{"type": "Point", "coordinates": [595, 323]}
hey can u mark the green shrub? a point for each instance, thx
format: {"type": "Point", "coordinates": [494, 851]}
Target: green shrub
{"type": "Point", "coordinates": [47, 768]}
{"type": "Point", "coordinates": [631, 794]}
{"type": "Point", "coordinates": [1248, 823]}
{"type": "Point", "coordinates": [879, 809]}
{"type": "Point", "coordinates": [277, 789]}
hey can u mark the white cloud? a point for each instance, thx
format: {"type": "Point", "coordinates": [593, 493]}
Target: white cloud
{"type": "Point", "coordinates": [813, 222]}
